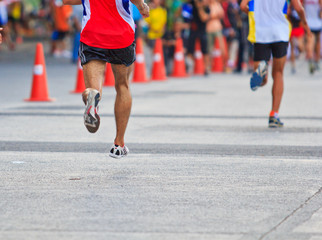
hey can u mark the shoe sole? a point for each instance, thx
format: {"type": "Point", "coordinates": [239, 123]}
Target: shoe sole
{"type": "Point", "coordinates": [116, 156]}
{"type": "Point", "coordinates": [273, 125]}
{"type": "Point", "coordinates": [92, 128]}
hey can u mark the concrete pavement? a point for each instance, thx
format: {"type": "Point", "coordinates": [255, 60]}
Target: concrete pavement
{"type": "Point", "coordinates": [202, 164]}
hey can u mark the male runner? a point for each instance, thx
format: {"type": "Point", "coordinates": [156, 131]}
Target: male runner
{"type": "Point", "coordinates": [200, 16]}
{"type": "Point", "coordinates": [108, 36]}
{"type": "Point", "coordinates": [269, 31]}
{"type": "Point", "coordinates": [313, 10]}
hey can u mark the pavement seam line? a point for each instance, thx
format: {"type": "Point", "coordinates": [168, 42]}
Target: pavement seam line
{"type": "Point", "coordinates": [171, 116]}
{"type": "Point", "coordinates": [291, 214]}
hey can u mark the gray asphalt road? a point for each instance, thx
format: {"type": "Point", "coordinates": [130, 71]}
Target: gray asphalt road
{"type": "Point", "coordinates": [202, 164]}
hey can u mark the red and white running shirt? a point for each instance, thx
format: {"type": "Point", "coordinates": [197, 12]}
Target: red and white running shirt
{"type": "Point", "coordinates": [107, 24]}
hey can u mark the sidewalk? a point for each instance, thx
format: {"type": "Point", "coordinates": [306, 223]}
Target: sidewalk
{"type": "Point", "coordinates": [202, 163]}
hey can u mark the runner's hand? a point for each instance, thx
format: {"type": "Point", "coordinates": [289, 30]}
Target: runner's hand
{"type": "Point", "coordinates": [144, 10]}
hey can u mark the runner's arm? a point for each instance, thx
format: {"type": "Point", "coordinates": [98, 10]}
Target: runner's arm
{"type": "Point", "coordinates": [244, 6]}
{"type": "Point", "coordinates": [142, 7]}
{"type": "Point", "coordinates": [297, 5]}
{"type": "Point", "coordinates": [72, 2]}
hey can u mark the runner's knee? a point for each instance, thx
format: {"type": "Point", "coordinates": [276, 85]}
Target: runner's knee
{"type": "Point", "coordinates": [121, 83]}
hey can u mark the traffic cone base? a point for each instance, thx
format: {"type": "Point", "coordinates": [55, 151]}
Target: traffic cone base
{"type": "Point", "coordinates": [39, 99]}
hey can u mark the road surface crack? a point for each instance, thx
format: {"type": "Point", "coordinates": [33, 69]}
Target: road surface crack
{"type": "Point", "coordinates": [292, 214]}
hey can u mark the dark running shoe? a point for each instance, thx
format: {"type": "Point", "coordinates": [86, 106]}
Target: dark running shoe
{"type": "Point", "coordinates": [312, 68]}
{"type": "Point", "coordinates": [259, 75]}
{"type": "Point", "coordinates": [118, 151]}
{"type": "Point", "coordinates": [91, 118]}
{"type": "Point", "coordinates": [275, 122]}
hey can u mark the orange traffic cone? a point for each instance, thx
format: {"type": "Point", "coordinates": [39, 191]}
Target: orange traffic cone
{"type": "Point", "coordinates": [39, 91]}
{"type": "Point", "coordinates": [158, 68]}
{"type": "Point", "coordinates": [199, 64]}
{"type": "Point", "coordinates": [217, 60]}
{"type": "Point", "coordinates": [80, 83]}
{"type": "Point", "coordinates": [109, 76]}
{"type": "Point", "coordinates": [139, 74]}
{"type": "Point", "coordinates": [179, 68]}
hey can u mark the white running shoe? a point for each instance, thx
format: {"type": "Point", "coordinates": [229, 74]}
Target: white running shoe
{"type": "Point", "coordinates": [118, 151]}
{"type": "Point", "coordinates": [259, 75]}
{"type": "Point", "coordinates": [262, 69]}
{"type": "Point", "coordinates": [91, 118]}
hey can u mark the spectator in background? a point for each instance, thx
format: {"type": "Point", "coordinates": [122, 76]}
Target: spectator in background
{"type": "Point", "coordinates": [200, 16]}
{"type": "Point", "coordinates": [61, 14]}
{"type": "Point", "coordinates": [313, 9]}
{"type": "Point", "coordinates": [45, 16]}
{"type": "Point", "coordinates": [1, 35]}
{"type": "Point", "coordinates": [173, 31]}
{"type": "Point", "coordinates": [76, 20]}
{"type": "Point", "coordinates": [4, 25]}
{"type": "Point", "coordinates": [186, 14]}
{"type": "Point", "coordinates": [214, 29]}
{"type": "Point", "coordinates": [231, 9]}
{"type": "Point", "coordinates": [243, 45]}
{"type": "Point", "coordinates": [14, 20]}
{"type": "Point", "coordinates": [297, 36]}
{"type": "Point", "coordinates": [173, 14]}
{"type": "Point", "coordinates": [156, 22]}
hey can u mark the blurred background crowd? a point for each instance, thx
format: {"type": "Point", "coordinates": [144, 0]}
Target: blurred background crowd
{"type": "Point", "coordinates": [219, 25]}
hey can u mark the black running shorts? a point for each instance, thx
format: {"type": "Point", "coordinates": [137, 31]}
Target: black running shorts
{"type": "Point", "coordinates": [263, 51]}
{"type": "Point", "coordinates": [316, 32]}
{"type": "Point", "coordinates": [125, 56]}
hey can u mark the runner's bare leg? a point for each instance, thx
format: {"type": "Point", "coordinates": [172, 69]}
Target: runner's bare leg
{"type": "Point", "coordinates": [94, 76]}
{"type": "Point", "coordinates": [123, 100]}
{"type": "Point", "coordinates": [317, 47]}
{"type": "Point", "coordinates": [278, 82]}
